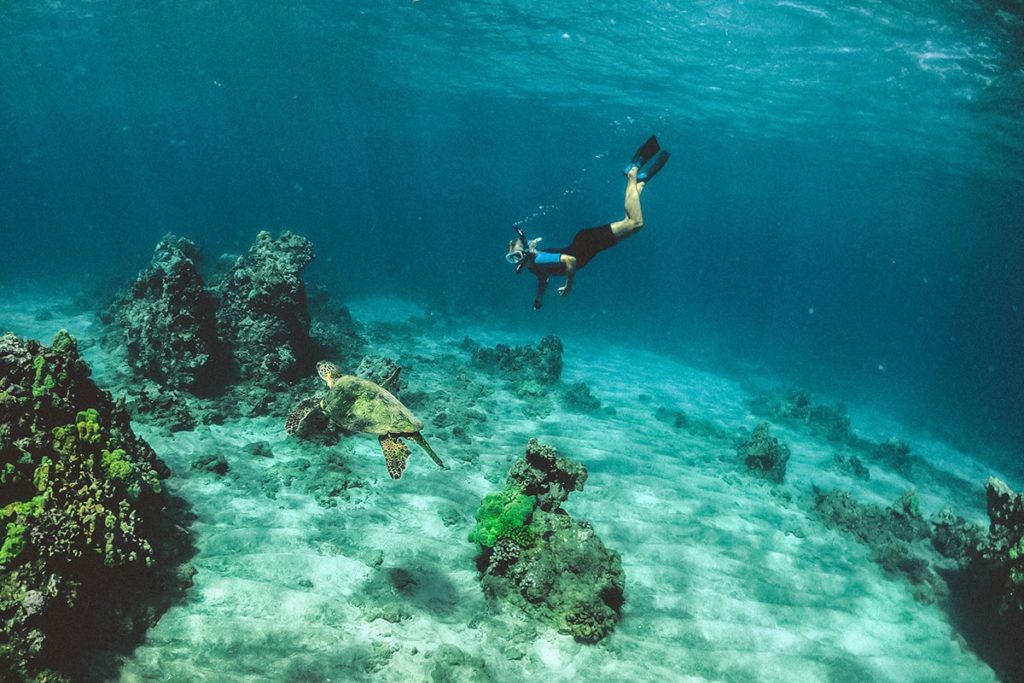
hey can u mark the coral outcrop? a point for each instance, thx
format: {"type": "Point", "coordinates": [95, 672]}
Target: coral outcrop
{"type": "Point", "coordinates": [896, 535]}
{"type": "Point", "coordinates": [166, 320]}
{"type": "Point", "coordinates": [520, 365]}
{"type": "Point", "coordinates": [263, 316]}
{"type": "Point", "coordinates": [765, 455]}
{"type": "Point", "coordinates": [797, 407]}
{"type": "Point", "coordinates": [91, 542]}
{"type": "Point", "coordinates": [537, 557]}
{"type": "Point", "coordinates": [1004, 548]}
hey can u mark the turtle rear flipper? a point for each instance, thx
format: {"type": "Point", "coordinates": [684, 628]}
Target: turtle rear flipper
{"type": "Point", "coordinates": [396, 454]}
{"type": "Point", "coordinates": [418, 438]}
{"type": "Point", "coordinates": [300, 413]}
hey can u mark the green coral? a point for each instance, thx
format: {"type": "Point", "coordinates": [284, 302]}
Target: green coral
{"type": "Point", "coordinates": [43, 383]}
{"type": "Point", "coordinates": [116, 464]}
{"type": "Point", "coordinates": [88, 423]}
{"type": "Point", "coordinates": [502, 515]}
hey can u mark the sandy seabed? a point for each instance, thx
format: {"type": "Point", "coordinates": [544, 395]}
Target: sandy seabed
{"type": "Point", "coordinates": [728, 577]}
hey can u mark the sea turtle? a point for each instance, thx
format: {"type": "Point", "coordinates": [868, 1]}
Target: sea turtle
{"type": "Point", "coordinates": [359, 405]}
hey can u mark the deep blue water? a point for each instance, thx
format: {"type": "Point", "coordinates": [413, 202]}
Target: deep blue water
{"type": "Point", "coordinates": [844, 206]}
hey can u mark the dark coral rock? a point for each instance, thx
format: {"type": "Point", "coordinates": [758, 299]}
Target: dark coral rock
{"type": "Point", "coordinates": [577, 398]}
{"type": "Point", "coordinates": [765, 455]}
{"type": "Point", "coordinates": [1004, 548]}
{"type": "Point", "coordinates": [334, 330]}
{"type": "Point", "coordinates": [91, 542]}
{"type": "Point", "coordinates": [167, 321]}
{"type": "Point", "coordinates": [263, 315]}
{"type": "Point", "coordinates": [214, 464]}
{"type": "Point", "coordinates": [895, 536]}
{"type": "Point", "coordinates": [851, 465]}
{"type": "Point", "coordinates": [956, 538]}
{"type": "Point", "coordinates": [555, 568]}
{"type": "Point", "coordinates": [521, 364]}
{"type": "Point", "coordinates": [830, 422]}
{"type": "Point", "coordinates": [546, 475]}
{"type": "Point", "coordinates": [894, 454]}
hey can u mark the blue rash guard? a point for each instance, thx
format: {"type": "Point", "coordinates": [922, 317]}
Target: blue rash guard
{"type": "Point", "coordinates": [548, 262]}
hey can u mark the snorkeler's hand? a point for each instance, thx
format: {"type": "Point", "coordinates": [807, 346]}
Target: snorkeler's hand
{"type": "Point", "coordinates": [563, 290]}
{"type": "Point", "coordinates": [536, 304]}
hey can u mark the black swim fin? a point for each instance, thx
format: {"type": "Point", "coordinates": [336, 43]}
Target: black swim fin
{"type": "Point", "coordinates": [644, 153]}
{"type": "Point", "coordinates": [645, 175]}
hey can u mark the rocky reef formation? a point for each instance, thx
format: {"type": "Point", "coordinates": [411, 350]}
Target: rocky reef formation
{"type": "Point", "coordinates": [797, 407]}
{"type": "Point", "coordinates": [537, 557]}
{"type": "Point", "coordinates": [1004, 547]}
{"type": "Point", "coordinates": [764, 455]}
{"type": "Point", "coordinates": [263, 316]}
{"type": "Point", "coordinates": [166, 321]}
{"type": "Point", "coordinates": [898, 536]}
{"type": "Point", "coordinates": [91, 543]}
{"type": "Point", "coordinates": [521, 365]}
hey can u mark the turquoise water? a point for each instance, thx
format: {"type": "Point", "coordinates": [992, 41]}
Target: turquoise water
{"type": "Point", "coordinates": [844, 195]}
{"type": "Point", "coordinates": [842, 211]}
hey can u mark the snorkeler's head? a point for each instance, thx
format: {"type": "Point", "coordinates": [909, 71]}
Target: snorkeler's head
{"type": "Point", "coordinates": [516, 251]}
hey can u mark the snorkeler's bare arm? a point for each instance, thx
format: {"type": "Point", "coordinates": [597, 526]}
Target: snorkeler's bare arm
{"type": "Point", "coordinates": [542, 284]}
{"type": "Point", "coordinates": [570, 273]}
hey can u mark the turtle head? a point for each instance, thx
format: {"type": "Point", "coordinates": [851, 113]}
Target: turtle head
{"type": "Point", "coordinates": [328, 372]}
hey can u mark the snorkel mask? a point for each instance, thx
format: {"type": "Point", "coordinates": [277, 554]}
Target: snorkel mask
{"type": "Point", "coordinates": [517, 250]}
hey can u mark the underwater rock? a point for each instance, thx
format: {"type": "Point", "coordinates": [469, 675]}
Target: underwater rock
{"type": "Point", "coordinates": [955, 538]}
{"type": "Point", "coordinates": [534, 555]}
{"type": "Point", "coordinates": [894, 454]}
{"type": "Point", "coordinates": [92, 543]}
{"type": "Point", "coordinates": [382, 371]}
{"type": "Point", "coordinates": [214, 464]}
{"type": "Point", "coordinates": [452, 665]}
{"type": "Point", "coordinates": [895, 536]}
{"type": "Point", "coordinates": [263, 316]}
{"type": "Point", "coordinates": [851, 465]}
{"type": "Point", "coordinates": [1004, 548]}
{"type": "Point", "coordinates": [796, 406]}
{"type": "Point", "coordinates": [546, 476]}
{"type": "Point", "coordinates": [166, 321]}
{"type": "Point", "coordinates": [680, 420]}
{"type": "Point", "coordinates": [577, 398]}
{"type": "Point", "coordinates": [520, 364]}
{"type": "Point", "coordinates": [765, 455]}
{"type": "Point", "coordinates": [334, 330]}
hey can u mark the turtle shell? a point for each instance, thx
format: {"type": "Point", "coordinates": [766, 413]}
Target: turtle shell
{"type": "Point", "coordinates": [359, 405]}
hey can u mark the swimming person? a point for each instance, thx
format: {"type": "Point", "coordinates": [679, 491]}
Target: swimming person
{"type": "Point", "coordinates": [588, 242]}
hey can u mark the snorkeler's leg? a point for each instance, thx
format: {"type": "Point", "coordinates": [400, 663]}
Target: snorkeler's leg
{"type": "Point", "coordinates": [634, 219]}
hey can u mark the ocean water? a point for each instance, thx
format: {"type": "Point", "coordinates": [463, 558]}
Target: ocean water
{"type": "Point", "coordinates": [843, 211]}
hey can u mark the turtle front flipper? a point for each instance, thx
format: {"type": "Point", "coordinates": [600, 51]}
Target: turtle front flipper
{"type": "Point", "coordinates": [300, 413]}
{"type": "Point", "coordinates": [396, 455]}
{"type": "Point", "coordinates": [418, 438]}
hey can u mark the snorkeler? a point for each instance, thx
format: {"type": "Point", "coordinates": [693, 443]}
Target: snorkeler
{"type": "Point", "coordinates": [523, 252]}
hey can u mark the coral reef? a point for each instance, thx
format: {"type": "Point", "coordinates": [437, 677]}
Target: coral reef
{"type": "Point", "coordinates": [546, 476]}
{"type": "Point", "coordinates": [765, 455]}
{"type": "Point", "coordinates": [577, 398]}
{"type": "Point", "coordinates": [796, 406]}
{"type": "Point", "coordinates": [537, 557]}
{"type": "Point", "coordinates": [92, 542]}
{"type": "Point", "coordinates": [382, 371]}
{"type": "Point", "coordinates": [520, 364]}
{"type": "Point", "coordinates": [1004, 548]}
{"type": "Point", "coordinates": [166, 320]}
{"type": "Point", "coordinates": [896, 535]}
{"type": "Point", "coordinates": [263, 315]}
